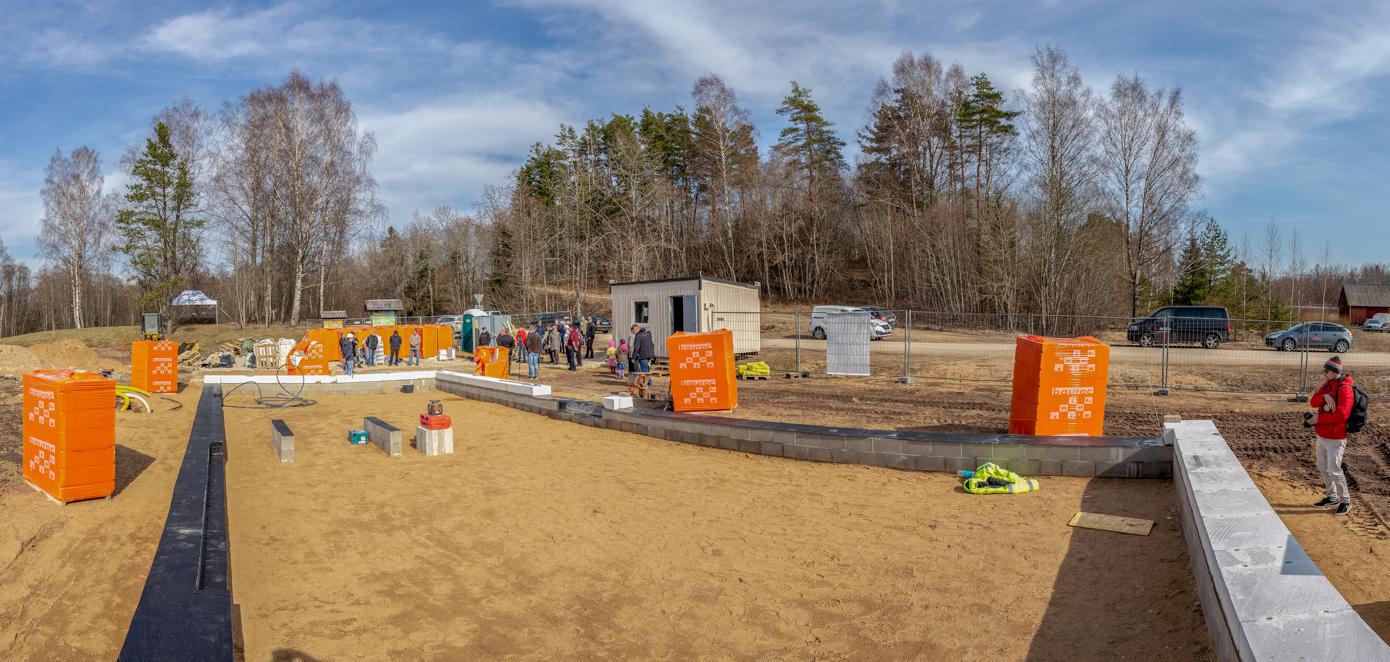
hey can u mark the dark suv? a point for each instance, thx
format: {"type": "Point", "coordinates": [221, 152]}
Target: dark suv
{"type": "Point", "coordinates": [1208, 325]}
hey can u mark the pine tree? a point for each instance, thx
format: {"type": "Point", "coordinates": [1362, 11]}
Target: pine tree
{"type": "Point", "coordinates": [1194, 280]}
{"type": "Point", "coordinates": [159, 228]}
{"type": "Point", "coordinates": [984, 124]}
{"type": "Point", "coordinates": [809, 142]}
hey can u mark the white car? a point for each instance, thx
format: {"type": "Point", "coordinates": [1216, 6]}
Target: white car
{"type": "Point", "coordinates": [455, 321]}
{"type": "Point", "coordinates": [1377, 322]}
{"type": "Point", "coordinates": [878, 329]}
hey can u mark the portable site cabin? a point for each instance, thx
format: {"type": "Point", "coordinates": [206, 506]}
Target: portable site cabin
{"type": "Point", "coordinates": [693, 303]}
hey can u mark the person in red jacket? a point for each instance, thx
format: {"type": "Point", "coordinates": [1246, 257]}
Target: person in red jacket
{"type": "Point", "coordinates": [1333, 402]}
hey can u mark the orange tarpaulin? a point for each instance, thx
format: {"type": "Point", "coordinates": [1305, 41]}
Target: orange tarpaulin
{"type": "Point", "coordinates": [70, 433]}
{"type": "Point", "coordinates": [1059, 386]}
{"type": "Point", "coordinates": [702, 371]}
{"type": "Point", "coordinates": [154, 366]}
{"type": "Point", "coordinates": [328, 338]}
{"type": "Point", "coordinates": [492, 361]}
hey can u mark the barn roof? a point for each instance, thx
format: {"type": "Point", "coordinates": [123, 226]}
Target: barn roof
{"type": "Point", "coordinates": [384, 305]}
{"type": "Point", "coordinates": [1367, 295]}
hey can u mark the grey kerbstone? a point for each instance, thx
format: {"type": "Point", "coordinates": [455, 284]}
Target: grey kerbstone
{"type": "Point", "coordinates": [886, 445]}
{"type": "Point", "coordinates": [383, 435]}
{"type": "Point", "coordinates": [1078, 468]}
{"type": "Point", "coordinates": [1049, 467]}
{"type": "Point", "coordinates": [1245, 531]}
{"type": "Point", "coordinates": [929, 463]}
{"type": "Point", "coordinates": [1341, 635]}
{"type": "Point", "coordinates": [283, 440]}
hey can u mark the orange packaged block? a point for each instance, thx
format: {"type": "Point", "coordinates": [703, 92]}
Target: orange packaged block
{"type": "Point", "coordinates": [1059, 386]}
{"type": "Point", "coordinates": [154, 366]}
{"type": "Point", "coordinates": [310, 358]}
{"type": "Point", "coordinates": [702, 371]}
{"type": "Point", "coordinates": [70, 434]}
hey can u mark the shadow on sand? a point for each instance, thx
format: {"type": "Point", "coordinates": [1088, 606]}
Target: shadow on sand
{"type": "Point", "coordinates": [1108, 602]}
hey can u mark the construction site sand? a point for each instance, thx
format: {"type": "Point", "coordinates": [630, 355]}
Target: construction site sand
{"type": "Point", "coordinates": [67, 353]}
{"type": "Point", "coordinates": [70, 576]}
{"type": "Point", "coordinates": [546, 539]}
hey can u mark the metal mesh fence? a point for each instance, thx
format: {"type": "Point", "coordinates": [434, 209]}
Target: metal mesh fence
{"type": "Point", "coordinates": [1179, 353]}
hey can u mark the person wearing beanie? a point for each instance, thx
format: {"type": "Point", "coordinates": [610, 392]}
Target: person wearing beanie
{"type": "Point", "coordinates": [1333, 402]}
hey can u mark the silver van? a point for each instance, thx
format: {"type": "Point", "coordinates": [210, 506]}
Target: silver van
{"type": "Point", "coordinates": [878, 329]}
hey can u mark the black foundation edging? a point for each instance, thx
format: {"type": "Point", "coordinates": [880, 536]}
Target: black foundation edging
{"type": "Point", "coordinates": [911, 450]}
{"type": "Point", "coordinates": [185, 611]}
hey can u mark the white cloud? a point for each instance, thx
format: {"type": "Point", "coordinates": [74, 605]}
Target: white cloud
{"type": "Point", "coordinates": [446, 150]}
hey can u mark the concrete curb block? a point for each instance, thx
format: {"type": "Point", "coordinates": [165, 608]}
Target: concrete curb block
{"type": "Point", "coordinates": [1262, 597]}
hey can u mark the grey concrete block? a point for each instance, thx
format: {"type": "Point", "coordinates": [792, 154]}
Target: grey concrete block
{"type": "Point", "coordinates": [1245, 531]}
{"type": "Point", "coordinates": [1155, 469]}
{"type": "Point", "coordinates": [709, 440]}
{"type": "Point", "coordinates": [859, 443]}
{"type": "Point", "coordinates": [748, 446]}
{"type": "Point", "coordinates": [929, 463]}
{"type": "Point", "coordinates": [796, 452]}
{"type": "Point", "coordinates": [383, 435]}
{"type": "Point", "coordinates": [1341, 635]}
{"type": "Point", "coordinates": [944, 449]}
{"type": "Point", "coordinates": [759, 434]}
{"type": "Point", "coordinates": [820, 440]}
{"type": "Point", "coordinates": [900, 462]}
{"type": "Point", "coordinates": [1098, 454]}
{"type": "Point", "coordinates": [1058, 453]}
{"type": "Point", "coordinates": [434, 442]}
{"type": "Point", "coordinates": [1026, 467]}
{"type": "Point", "coordinates": [1078, 468]}
{"type": "Point", "coordinates": [770, 448]}
{"type": "Point", "coordinates": [1050, 467]}
{"type": "Point", "coordinates": [954, 464]}
{"type": "Point", "coordinates": [1002, 452]}
{"type": "Point", "coordinates": [731, 443]}
{"type": "Point", "coordinates": [886, 445]}
{"type": "Point", "coordinates": [820, 454]}
{"type": "Point", "coordinates": [1117, 469]}
{"type": "Point", "coordinates": [282, 439]}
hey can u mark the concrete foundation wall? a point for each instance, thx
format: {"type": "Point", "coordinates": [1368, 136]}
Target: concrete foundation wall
{"type": "Point", "coordinates": [1111, 457]}
{"type": "Point", "coordinates": [1262, 597]}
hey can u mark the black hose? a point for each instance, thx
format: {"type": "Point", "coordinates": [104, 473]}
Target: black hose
{"type": "Point", "coordinates": [277, 400]}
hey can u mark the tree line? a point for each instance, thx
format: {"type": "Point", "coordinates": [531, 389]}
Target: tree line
{"type": "Point", "coordinates": [962, 198]}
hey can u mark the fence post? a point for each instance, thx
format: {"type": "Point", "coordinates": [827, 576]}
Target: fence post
{"type": "Point", "coordinates": [798, 343]}
{"type": "Point", "coordinates": [1030, 324]}
{"type": "Point", "coordinates": [1167, 333]}
{"type": "Point", "coordinates": [907, 350]}
{"type": "Point", "coordinates": [1301, 395]}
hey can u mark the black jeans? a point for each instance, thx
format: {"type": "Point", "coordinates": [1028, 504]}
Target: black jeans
{"type": "Point", "coordinates": [571, 355]}
{"type": "Point", "coordinates": [589, 348]}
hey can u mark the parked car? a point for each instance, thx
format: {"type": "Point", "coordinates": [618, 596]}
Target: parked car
{"type": "Point", "coordinates": [1377, 322]}
{"type": "Point", "coordinates": [455, 321]}
{"type": "Point", "coordinates": [602, 324]}
{"type": "Point", "coordinates": [1312, 335]}
{"type": "Point", "coordinates": [1208, 325]}
{"type": "Point", "coordinates": [546, 318]}
{"type": "Point", "coordinates": [878, 329]}
{"type": "Point", "coordinates": [883, 314]}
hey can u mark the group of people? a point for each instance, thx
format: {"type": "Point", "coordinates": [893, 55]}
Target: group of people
{"type": "Point", "coordinates": [576, 339]}
{"type": "Point", "coordinates": [358, 353]}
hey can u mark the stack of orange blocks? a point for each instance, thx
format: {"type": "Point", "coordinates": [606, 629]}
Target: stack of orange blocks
{"type": "Point", "coordinates": [702, 371]}
{"type": "Point", "coordinates": [154, 366]}
{"type": "Point", "coordinates": [1059, 386]}
{"type": "Point", "coordinates": [70, 434]}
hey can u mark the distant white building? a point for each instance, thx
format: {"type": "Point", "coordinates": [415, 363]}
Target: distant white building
{"type": "Point", "coordinates": [693, 303]}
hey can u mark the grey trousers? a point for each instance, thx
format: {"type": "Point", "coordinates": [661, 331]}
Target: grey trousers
{"type": "Point", "coordinates": [1330, 466]}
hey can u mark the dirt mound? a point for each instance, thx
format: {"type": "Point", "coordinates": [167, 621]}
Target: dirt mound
{"type": "Point", "coordinates": [16, 360]}
{"type": "Point", "coordinates": [71, 353]}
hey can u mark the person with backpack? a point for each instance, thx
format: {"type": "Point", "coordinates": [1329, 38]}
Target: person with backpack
{"type": "Point", "coordinates": [1334, 401]}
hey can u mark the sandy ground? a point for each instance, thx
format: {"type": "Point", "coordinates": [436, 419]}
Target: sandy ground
{"type": "Point", "coordinates": [70, 576]}
{"type": "Point", "coordinates": [547, 539]}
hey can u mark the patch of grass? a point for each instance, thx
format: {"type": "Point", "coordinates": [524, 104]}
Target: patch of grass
{"type": "Point", "coordinates": [119, 337]}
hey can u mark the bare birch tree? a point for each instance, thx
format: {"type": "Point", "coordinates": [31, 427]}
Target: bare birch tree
{"type": "Point", "coordinates": [76, 221]}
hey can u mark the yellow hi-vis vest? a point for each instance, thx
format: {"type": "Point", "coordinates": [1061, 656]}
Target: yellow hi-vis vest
{"type": "Point", "coordinates": [1016, 484]}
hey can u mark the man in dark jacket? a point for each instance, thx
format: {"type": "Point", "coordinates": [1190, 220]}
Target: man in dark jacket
{"type": "Point", "coordinates": [643, 351]}
{"type": "Point", "coordinates": [395, 344]}
{"type": "Point", "coordinates": [484, 338]}
{"type": "Point", "coordinates": [533, 354]}
{"type": "Point", "coordinates": [371, 343]}
{"type": "Point", "coordinates": [347, 345]}
{"type": "Point", "coordinates": [590, 330]}
{"type": "Point", "coordinates": [1333, 402]}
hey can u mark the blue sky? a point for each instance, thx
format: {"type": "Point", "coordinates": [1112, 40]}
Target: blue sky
{"type": "Point", "coordinates": [1287, 97]}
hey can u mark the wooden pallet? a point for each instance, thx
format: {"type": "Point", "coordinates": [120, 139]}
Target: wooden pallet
{"type": "Point", "coordinates": [753, 377]}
